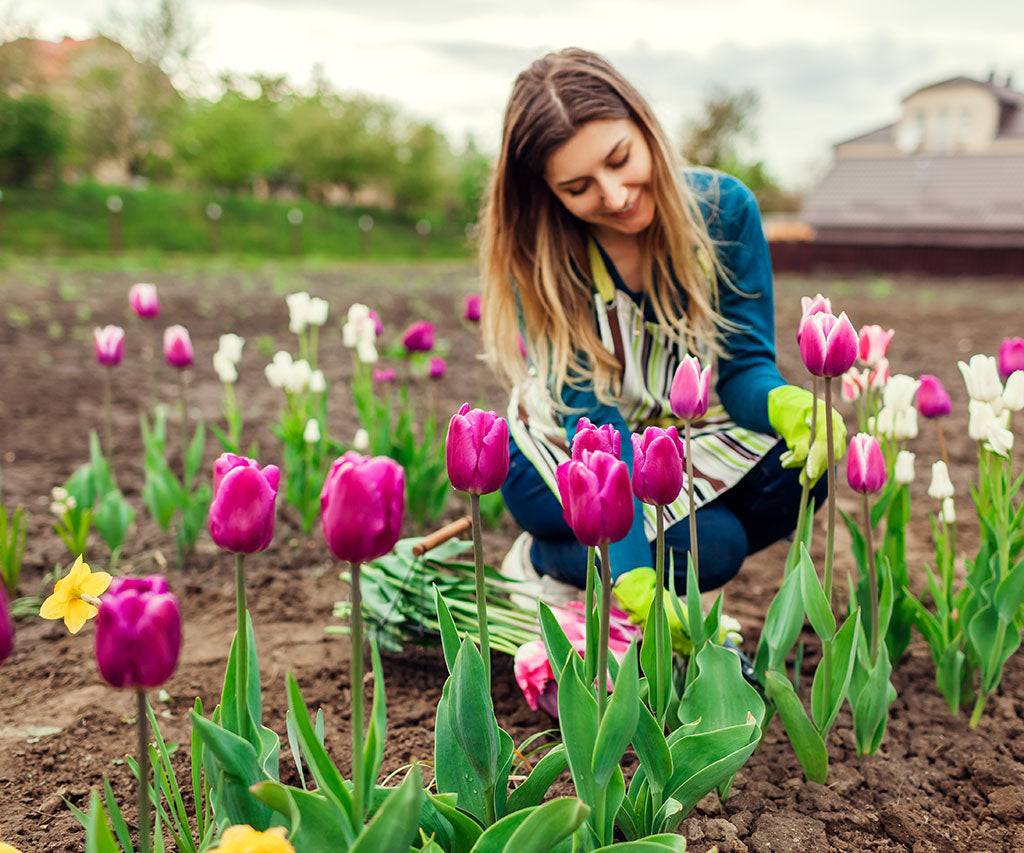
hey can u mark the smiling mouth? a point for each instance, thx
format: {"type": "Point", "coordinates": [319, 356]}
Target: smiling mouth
{"type": "Point", "coordinates": [628, 210]}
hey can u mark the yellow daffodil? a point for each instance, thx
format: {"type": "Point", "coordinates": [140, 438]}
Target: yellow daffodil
{"type": "Point", "coordinates": [6, 848]}
{"type": "Point", "coordinates": [71, 596]}
{"type": "Point", "coordinates": [245, 839]}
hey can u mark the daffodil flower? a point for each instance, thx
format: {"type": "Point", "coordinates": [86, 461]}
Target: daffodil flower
{"type": "Point", "coordinates": [6, 848]}
{"type": "Point", "coordinates": [75, 597]}
{"type": "Point", "coordinates": [245, 839]}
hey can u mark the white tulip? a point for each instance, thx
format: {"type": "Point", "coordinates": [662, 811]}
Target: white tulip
{"type": "Point", "coordinates": [361, 441]}
{"type": "Point", "coordinates": [941, 486]}
{"type": "Point", "coordinates": [311, 434]}
{"type": "Point", "coordinates": [1013, 393]}
{"type": "Point", "coordinates": [278, 370]}
{"type": "Point", "coordinates": [904, 424]}
{"type": "Point", "coordinates": [903, 470]}
{"type": "Point", "coordinates": [297, 379]}
{"type": "Point", "coordinates": [899, 392]}
{"type": "Point", "coordinates": [1000, 439]}
{"type": "Point", "coordinates": [359, 326]}
{"type": "Point", "coordinates": [231, 346]}
{"type": "Point", "coordinates": [367, 353]}
{"type": "Point", "coordinates": [59, 494]}
{"type": "Point", "coordinates": [885, 422]}
{"type": "Point", "coordinates": [980, 415]}
{"type": "Point", "coordinates": [298, 311]}
{"type": "Point", "coordinates": [316, 311]}
{"type": "Point", "coordinates": [981, 376]}
{"type": "Point", "coordinates": [317, 383]}
{"type": "Point", "coordinates": [225, 367]}
{"type": "Point", "coordinates": [949, 511]}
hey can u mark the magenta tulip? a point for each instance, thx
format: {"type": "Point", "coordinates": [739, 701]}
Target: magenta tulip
{"type": "Point", "coordinates": [865, 466]}
{"type": "Point", "coordinates": [932, 399]}
{"type": "Point", "coordinates": [144, 301]}
{"type": "Point", "coordinates": [6, 626]}
{"type": "Point", "coordinates": [109, 343]}
{"type": "Point", "coordinates": [419, 337]}
{"type": "Point", "coordinates": [361, 506]}
{"type": "Point", "coordinates": [438, 367]}
{"type": "Point", "coordinates": [378, 326]}
{"type": "Point", "coordinates": [597, 501]}
{"type": "Point", "coordinates": [1011, 356]}
{"type": "Point", "coordinates": [828, 344]}
{"type": "Point", "coordinates": [477, 451]}
{"type": "Point", "coordinates": [138, 633]}
{"type": "Point", "coordinates": [657, 465]}
{"type": "Point", "coordinates": [591, 437]}
{"type": "Point", "coordinates": [808, 306]}
{"type": "Point", "coordinates": [688, 395]}
{"type": "Point", "coordinates": [383, 374]}
{"type": "Point", "coordinates": [178, 347]}
{"type": "Point", "coordinates": [873, 344]}
{"type": "Point", "coordinates": [472, 307]}
{"type": "Point", "coordinates": [242, 512]}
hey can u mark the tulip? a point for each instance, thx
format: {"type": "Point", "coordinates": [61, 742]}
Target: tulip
{"type": "Point", "coordinates": [1013, 393]}
{"type": "Point", "coordinates": [143, 300]}
{"type": "Point", "coordinates": [242, 512]}
{"type": "Point", "coordinates": [941, 486]}
{"type": "Point", "coordinates": [981, 377]}
{"type": "Point", "coordinates": [224, 368]}
{"type": "Point", "coordinates": [438, 367]}
{"type": "Point", "coordinates": [980, 415]}
{"type": "Point", "coordinates": [999, 438]}
{"type": "Point", "coordinates": [597, 499]}
{"type": "Point", "coordinates": [808, 306]}
{"type": "Point", "coordinates": [419, 337]}
{"type": "Point", "coordinates": [1011, 356]}
{"type": "Point", "coordinates": [949, 511]}
{"type": "Point", "coordinates": [361, 506]}
{"type": "Point", "coordinates": [361, 440]}
{"type": "Point", "coordinates": [384, 374]}
{"type": "Point", "coordinates": [899, 392]}
{"type": "Point", "coordinates": [230, 345]}
{"type": "Point", "coordinates": [879, 376]}
{"type": "Point", "coordinates": [873, 344]}
{"type": "Point", "coordinates": [361, 328]}
{"type": "Point", "coordinates": [138, 633]}
{"type": "Point", "coordinates": [378, 326]}
{"type": "Point", "coordinates": [6, 626]}
{"type": "Point", "coordinates": [178, 347]}
{"type": "Point", "coordinates": [591, 437]}
{"type": "Point", "coordinates": [316, 311]}
{"type": "Point", "coordinates": [903, 469]}
{"type": "Point", "coordinates": [855, 383]}
{"type": "Point", "coordinates": [828, 344]}
{"type": "Point", "coordinates": [904, 424]}
{"type": "Point", "coordinates": [477, 451]}
{"type": "Point", "coordinates": [311, 434]}
{"type": "Point", "coordinates": [298, 311]}
{"type": "Point", "coordinates": [657, 465]}
{"type": "Point", "coordinates": [688, 395]}
{"type": "Point", "coordinates": [109, 343]}
{"type": "Point", "coordinates": [472, 307]}
{"type": "Point", "coordinates": [932, 399]}
{"type": "Point", "coordinates": [865, 466]}
{"type": "Point", "coordinates": [317, 382]}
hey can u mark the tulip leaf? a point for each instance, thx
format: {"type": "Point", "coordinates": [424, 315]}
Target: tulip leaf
{"type": "Point", "coordinates": [719, 697]}
{"type": "Point", "coordinates": [652, 750]}
{"type": "Point", "coordinates": [661, 843]}
{"type": "Point", "coordinates": [472, 714]}
{"type": "Point", "coordinates": [577, 715]}
{"type": "Point", "coordinates": [98, 837]}
{"type": "Point", "coordinates": [455, 775]}
{"type": "Point", "coordinates": [782, 624]}
{"type": "Point", "coordinates": [659, 681]}
{"type": "Point", "coordinates": [312, 817]}
{"type": "Point", "coordinates": [1010, 593]}
{"type": "Point", "coordinates": [824, 708]}
{"type": "Point", "coordinates": [817, 605]}
{"type": "Point", "coordinates": [393, 828]}
{"type": "Point", "coordinates": [949, 676]}
{"type": "Point", "coordinates": [618, 725]}
{"type": "Point", "coordinates": [464, 829]}
{"type": "Point", "coordinates": [694, 613]}
{"type": "Point", "coordinates": [537, 829]}
{"type": "Point", "coordinates": [506, 748]}
{"type": "Point", "coordinates": [541, 778]}
{"type": "Point", "coordinates": [714, 619]}
{"type": "Point", "coordinates": [373, 750]}
{"type": "Point", "coordinates": [194, 456]}
{"type": "Point", "coordinates": [229, 697]}
{"type": "Point", "coordinates": [807, 743]}
{"type": "Point", "coordinates": [871, 694]}
{"type": "Point", "coordinates": [801, 537]}
{"type": "Point", "coordinates": [449, 633]}
{"type": "Point", "coordinates": [556, 643]}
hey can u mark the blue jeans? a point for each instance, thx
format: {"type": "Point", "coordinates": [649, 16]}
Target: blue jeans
{"type": "Point", "coordinates": [759, 510]}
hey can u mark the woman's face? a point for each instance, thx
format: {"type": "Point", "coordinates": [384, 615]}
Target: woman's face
{"type": "Point", "coordinates": [603, 176]}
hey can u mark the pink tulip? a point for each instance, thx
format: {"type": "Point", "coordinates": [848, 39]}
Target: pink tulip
{"type": "Point", "coordinates": [472, 307]}
{"type": "Point", "coordinates": [143, 300]}
{"type": "Point", "coordinates": [657, 465]}
{"type": "Point", "coordinates": [865, 466]}
{"type": "Point", "coordinates": [828, 344]}
{"type": "Point", "coordinates": [383, 374]}
{"type": "Point", "coordinates": [138, 633]}
{"type": "Point", "coordinates": [438, 367]}
{"type": "Point", "coordinates": [591, 437]}
{"type": "Point", "coordinates": [1011, 356]}
{"type": "Point", "coordinates": [6, 626]}
{"type": "Point", "coordinates": [873, 344]}
{"type": "Point", "coordinates": [688, 396]}
{"type": "Point", "coordinates": [477, 451]}
{"type": "Point", "coordinates": [109, 345]}
{"type": "Point", "coordinates": [361, 506]}
{"type": "Point", "coordinates": [378, 326]}
{"type": "Point", "coordinates": [808, 306]}
{"type": "Point", "coordinates": [242, 512]}
{"type": "Point", "coordinates": [419, 337]}
{"type": "Point", "coordinates": [879, 376]}
{"type": "Point", "coordinates": [932, 399]}
{"type": "Point", "coordinates": [855, 383]}
{"type": "Point", "coordinates": [597, 501]}
{"type": "Point", "coordinates": [178, 347]}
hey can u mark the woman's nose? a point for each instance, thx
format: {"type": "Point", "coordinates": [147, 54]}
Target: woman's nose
{"type": "Point", "coordinates": [614, 193]}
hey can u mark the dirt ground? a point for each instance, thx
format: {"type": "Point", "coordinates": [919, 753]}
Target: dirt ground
{"type": "Point", "coordinates": [936, 784]}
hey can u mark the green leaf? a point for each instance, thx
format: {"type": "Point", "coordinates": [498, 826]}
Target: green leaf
{"type": "Point", "coordinates": [194, 456]}
{"type": "Point", "coordinates": [472, 718]}
{"type": "Point", "coordinates": [532, 790]}
{"type": "Point", "coordinates": [116, 818]}
{"type": "Point", "coordinates": [819, 611]}
{"type": "Point", "coordinates": [782, 623]}
{"type": "Point", "coordinates": [112, 519]}
{"type": "Point", "coordinates": [393, 827]}
{"type": "Point", "coordinates": [465, 830]}
{"type": "Point", "coordinates": [693, 607]}
{"type": "Point", "coordinates": [824, 708]}
{"type": "Point", "coordinates": [949, 677]}
{"type": "Point", "coordinates": [547, 825]}
{"type": "Point", "coordinates": [449, 633]}
{"type": "Point", "coordinates": [719, 697]}
{"type": "Point", "coordinates": [373, 751]}
{"type": "Point", "coordinates": [455, 775]}
{"type": "Point", "coordinates": [577, 714]}
{"type": "Point", "coordinates": [315, 821]}
{"type": "Point", "coordinates": [871, 705]}
{"type": "Point", "coordinates": [1010, 593]}
{"type": "Point", "coordinates": [665, 843]}
{"type": "Point", "coordinates": [98, 838]}
{"type": "Point", "coordinates": [652, 750]}
{"type": "Point", "coordinates": [807, 743]}
{"type": "Point", "coordinates": [229, 699]}
{"type": "Point", "coordinates": [618, 725]}
{"type": "Point", "coordinates": [556, 643]}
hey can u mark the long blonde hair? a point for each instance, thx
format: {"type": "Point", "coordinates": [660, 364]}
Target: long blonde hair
{"type": "Point", "coordinates": [534, 252]}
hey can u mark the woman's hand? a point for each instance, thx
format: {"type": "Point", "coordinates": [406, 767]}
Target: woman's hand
{"type": "Point", "coordinates": [789, 412]}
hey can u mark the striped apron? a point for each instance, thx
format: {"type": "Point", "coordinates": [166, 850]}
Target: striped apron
{"type": "Point", "coordinates": [722, 452]}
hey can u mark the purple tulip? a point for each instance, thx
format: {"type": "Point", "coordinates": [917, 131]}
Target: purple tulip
{"type": "Point", "coordinates": [419, 337]}
{"type": "Point", "coordinates": [476, 448]}
{"type": "Point", "coordinates": [472, 307]}
{"type": "Point", "coordinates": [688, 396]}
{"type": "Point", "coordinates": [383, 374]}
{"type": "Point", "coordinates": [591, 437]}
{"type": "Point", "coordinates": [242, 512]}
{"type": "Point", "coordinates": [1011, 356]}
{"type": "Point", "coordinates": [865, 466]}
{"type": "Point", "coordinates": [109, 343]}
{"type": "Point", "coordinates": [438, 367]}
{"type": "Point", "coordinates": [597, 501]}
{"type": "Point", "coordinates": [6, 626]}
{"type": "Point", "coordinates": [361, 506]}
{"type": "Point", "coordinates": [178, 347]}
{"type": "Point", "coordinates": [144, 301]}
{"type": "Point", "coordinates": [138, 633]}
{"type": "Point", "coordinates": [817, 305]}
{"type": "Point", "coordinates": [828, 344]}
{"type": "Point", "coordinates": [932, 399]}
{"type": "Point", "coordinates": [657, 465]}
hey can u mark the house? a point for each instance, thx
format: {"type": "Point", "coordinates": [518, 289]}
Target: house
{"type": "Point", "coordinates": [940, 189]}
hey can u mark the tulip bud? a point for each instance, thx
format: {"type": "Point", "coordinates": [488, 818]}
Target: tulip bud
{"type": "Point", "coordinates": [230, 345]}
{"type": "Point", "coordinates": [6, 626]}
{"type": "Point", "coordinates": [865, 466]}
{"type": "Point", "coordinates": [472, 307]}
{"type": "Point", "coordinates": [438, 367]}
{"type": "Point", "coordinates": [361, 440]}
{"type": "Point", "coordinates": [317, 382]}
{"type": "Point", "coordinates": [999, 438]}
{"type": "Point", "coordinates": [854, 383]}
{"type": "Point", "coordinates": [361, 506]}
{"type": "Point", "coordinates": [1013, 393]}
{"type": "Point", "coordinates": [879, 375]}
{"type": "Point", "coordinates": [597, 500]}
{"type": "Point", "coordinates": [138, 633]}
{"type": "Point", "coordinates": [873, 344]}
{"type": "Point", "coordinates": [591, 437]}
{"type": "Point", "coordinates": [932, 399]}
{"type": "Point", "coordinates": [980, 415]}
{"type": "Point", "coordinates": [419, 337]}
{"type": "Point", "coordinates": [904, 424]}
{"type": "Point", "coordinates": [941, 486]}
{"type": "Point", "coordinates": [242, 512]}
{"type": "Point", "coordinates": [1011, 356]}
{"type": "Point", "coordinates": [899, 392]}
{"type": "Point", "coordinates": [316, 311]}
{"type": "Point", "coordinates": [298, 311]}
{"type": "Point", "coordinates": [311, 434]}
{"type": "Point", "coordinates": [828, 344]}
{"type": "Point", "coordinates": [903, 470]}
{"type": "Point", "coordinates": [109, 345]}
{"type": "Point", "coordinates": [143, 300]}
{"type": "Point", "coordinates": [657, 465]}
{"type": "Point", "coordinates": [384, 374]}
{"type": "Point", "coordinates": [808, 306]}
{"type": "Point", "coordinates": [378, 326]}
{"type": "Point", "coordinates": [981, 378]}
{"type": "Point", "coordinates": [224, 367]}
{"type": "Point", "coordinates": [477, 451]}
{"type": "Point", "coordinates": [949, 511]}
{"type": "Point", "coordinates": [688, 395]}
{"type": "Point", "coordinates": [178, 347]}
{"type": "Point", "coordinates": [884, 423]}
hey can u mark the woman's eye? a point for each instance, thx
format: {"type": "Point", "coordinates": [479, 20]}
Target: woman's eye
{"type": "Point", "coordinates": [619, 164]}
{"type": "Point", "coordinates": [574, 191]}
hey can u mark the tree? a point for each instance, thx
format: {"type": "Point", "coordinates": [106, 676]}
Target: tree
{"type": "Point", "coordinates": [31, 138]}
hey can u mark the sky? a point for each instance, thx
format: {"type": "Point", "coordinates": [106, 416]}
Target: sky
{"type": "Point", "coordinates": [824, 70]}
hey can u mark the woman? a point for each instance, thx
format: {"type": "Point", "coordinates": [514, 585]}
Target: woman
{"type": "Point", "coordinates": [612, 263]}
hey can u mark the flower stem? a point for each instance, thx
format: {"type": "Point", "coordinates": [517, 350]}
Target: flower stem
{"type": "Point", "coordinates": [658, 614]}
{"type": "Point", "coordinates": [689, 494]}
{"type": "Point", "coordinates": [589, 658]}
{"type": "Point", "coordinates": [108, 446]}
{"type": "Point", "coordinates": [142, 729]}
{"type": "Point", "coordinates": [481, 589]}
{"type": "Point", "coordinates": [356, 671]}
{"type": "Point", "coordinates": [979, 707]}
{"type": "Point", "coordinates": [830, 536]}
{"type": "Point", "coordinates": [602, 641]}
{"type": "Point", "coordinates": [184, 429]}
{"type": "Point", "coordinates": [242, 647]}
{"type": "Point", "coordinates": [942, 443]}
{"type": "Point", "coordinates": [872, 580]}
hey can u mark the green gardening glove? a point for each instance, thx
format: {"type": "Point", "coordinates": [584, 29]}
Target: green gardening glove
{"type": "Point", "coordinates": [789, 413]}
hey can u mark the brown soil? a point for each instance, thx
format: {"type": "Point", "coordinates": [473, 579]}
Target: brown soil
{"type": "Point", "coordinates": [935, 785]}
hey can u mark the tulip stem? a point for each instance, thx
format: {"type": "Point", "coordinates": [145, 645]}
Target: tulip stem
{"type": "Point", "coordinates": [658, 614]}
{"type": "Point", "coordinates": [689, 494]}
{"type": "Point", "coordinates": [942, 444]}
{"type": "Point", "coordinates": [602, 642]}
{"type": "Point", "coordinates": [108, 447]}
{"type": "Point", "coordinates": [481, 588]}
{"type": "Point", "coordinates": [142, 729]}
{"type": "Point", "coordinates": [830, 536]}
{"type": "Point", "coordinates": [184, 427]}
{"type": "Point", "coordinates": [356, 672]}
{"type": "Point", "coordinates": [242, 647]}
{"type": "Point", "coordinates": [590, 655]}
{"type": "Point", "coordinates": [872, 580]}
